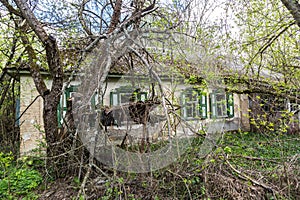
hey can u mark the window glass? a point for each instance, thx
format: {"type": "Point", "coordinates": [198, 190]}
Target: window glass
{"type": "Point", "coordinates": [193, 104]}
{"type": "Point", "coordinates": [221, 104]}
{"type": "Point", "coordinates": [143, 96]}
{"type": "Point", "coordinates": [122, 96]}
{"type": "Point", "coordinates": [125, 98]}
{"type": "Point", "coordinates": [114, 99]}
{"type": "Point", "coordinates": [221, 107]}
{"type": "Point", "coordinates": [293, 105]}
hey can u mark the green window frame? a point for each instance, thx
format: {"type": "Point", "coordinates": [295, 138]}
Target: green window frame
{"type": "Point", "coordinates": [114, 98]}
{"type": "Point", "coordinates": [142, 96]}
{"type": "Point", "coordinates": [203, 105]}
{"type": "Point", "coordinates": [293, 107]}
{"type": "Point", "coordinates": [62, 106]}
{"type": "Point", "coordinates": [122, 95]}
{"type": "Point", "coordinates": [194, 104]}
{"type": "Point", "coordinates": [221, 104]}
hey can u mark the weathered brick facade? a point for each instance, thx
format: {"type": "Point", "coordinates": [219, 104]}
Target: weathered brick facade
{"type": "Point", "coordinates": [31, 122]}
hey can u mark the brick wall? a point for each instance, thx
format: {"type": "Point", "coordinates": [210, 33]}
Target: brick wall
{"type": "Point", "coordinates": [244, 110]}
{"type": "Point", "coordinates": [31, 123]}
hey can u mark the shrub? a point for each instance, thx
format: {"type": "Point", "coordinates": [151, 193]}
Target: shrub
{"type": "Point", "coordinates": [16, 181]}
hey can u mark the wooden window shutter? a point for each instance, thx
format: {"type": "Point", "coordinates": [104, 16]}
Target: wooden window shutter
{"type": "Point", "coordinates": [114, 99]}
{"type": "Point", "coordinates": [183, 105]}
{"type": "Point", "coordinates": [62, 106]}
{"type": "Point", "coordinates": [203, 105]}
{"type": "Point", "coordinates": [213, 105]}
{"type": "Point", "coordinates": [142, 96]}
{"type": "Point", "coordinates": [230, 105]}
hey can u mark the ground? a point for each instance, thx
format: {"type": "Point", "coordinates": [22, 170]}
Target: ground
{"type": "Point", "coordinates": [242, 166]}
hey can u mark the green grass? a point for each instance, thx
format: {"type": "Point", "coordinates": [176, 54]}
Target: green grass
{"type": "Point", "coordinates": [263, 146]}
{"type": "Point", "coordinates": [264, 152]}
{"type": "Point", "coordinates": [254, 155]}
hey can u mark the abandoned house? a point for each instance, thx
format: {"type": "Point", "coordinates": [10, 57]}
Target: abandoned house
{"type": "Point", "coordinates": [194, 105]}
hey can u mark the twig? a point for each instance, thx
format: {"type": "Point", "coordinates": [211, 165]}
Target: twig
{"type": "Point", "coordinates": [246, 177]}
{"type": "Point", "coordinates": [83, 183]}
{"type": "Point", "coordinates": [187, 187]}
{"type": "Point", "coordinates": [159, 85]}
{"type": "Point", "coordinates": [63, 154]}
{"type": "Point", "coordinates": [99, 169]}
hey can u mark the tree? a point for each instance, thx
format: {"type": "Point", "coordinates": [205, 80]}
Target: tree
{"type": "Point", "coordinates": [267, 42]}
{"type": "Point", "coordinates": [264, 51]}
{"type": "Point", "coordinates": [50, 96]}
{"type": "Point", "coordinates": [28, 24]}
{"type": "Point", "coordinates": [10, 54]}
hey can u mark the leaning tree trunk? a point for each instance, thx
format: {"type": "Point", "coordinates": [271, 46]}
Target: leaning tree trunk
{"type": "Point", "coordinates": [51, 96]}
{"type": "Point", "coordinates": [51, 122]}
{"type": "Point", "coordinates": [294, 8]}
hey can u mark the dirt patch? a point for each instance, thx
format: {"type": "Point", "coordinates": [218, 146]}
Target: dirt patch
{"type": "Point", "coordinates": [62, 189]}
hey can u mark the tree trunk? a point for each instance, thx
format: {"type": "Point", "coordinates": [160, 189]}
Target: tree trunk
{"type": "Point", "coordinates": [294, 8]}
{"type": "Point", "coordinates": [50, 121]}
{"type": "Point", "coordinates": [51, 97]}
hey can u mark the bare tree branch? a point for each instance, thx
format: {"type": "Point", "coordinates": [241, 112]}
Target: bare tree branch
{"type": "Point", "coordinates": [10, 8]}
{"type": "Point", "coordinates": [81, 19]}
{"type": "Point", "coordinates": [116, 16]}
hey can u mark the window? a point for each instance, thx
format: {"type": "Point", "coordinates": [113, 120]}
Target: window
{"type": "Point", "coordinates": [194, 104]}
{"type": "Point", "coordinates": [123, 96]}
{"type": "Point", "coordinates": [63, 103]}
{"type": "Point", "coordinates": [126, 94]}
{"type": "Point", "coordinates": [62, 106]}
{"type": "Point", "coordinates": [293, 106]}
{"type": "Point", "coordinates": [272, 104]}
{"type": "Point", "coordinates": [221, 104]}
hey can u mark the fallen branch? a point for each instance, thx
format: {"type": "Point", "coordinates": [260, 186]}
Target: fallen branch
{"type": "Point", "coordinates": [248, 178]}
{"type": "Point", "coordinates": [275, 160]}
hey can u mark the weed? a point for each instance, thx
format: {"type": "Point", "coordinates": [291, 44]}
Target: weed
{"type": "Point", "coordinates": [17, 181]}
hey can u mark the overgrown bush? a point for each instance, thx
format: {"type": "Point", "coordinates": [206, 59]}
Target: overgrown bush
{"type": "Point", "coordinates": [17, 180]}
{"type": "Point", "coordinates": [241, 166]}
